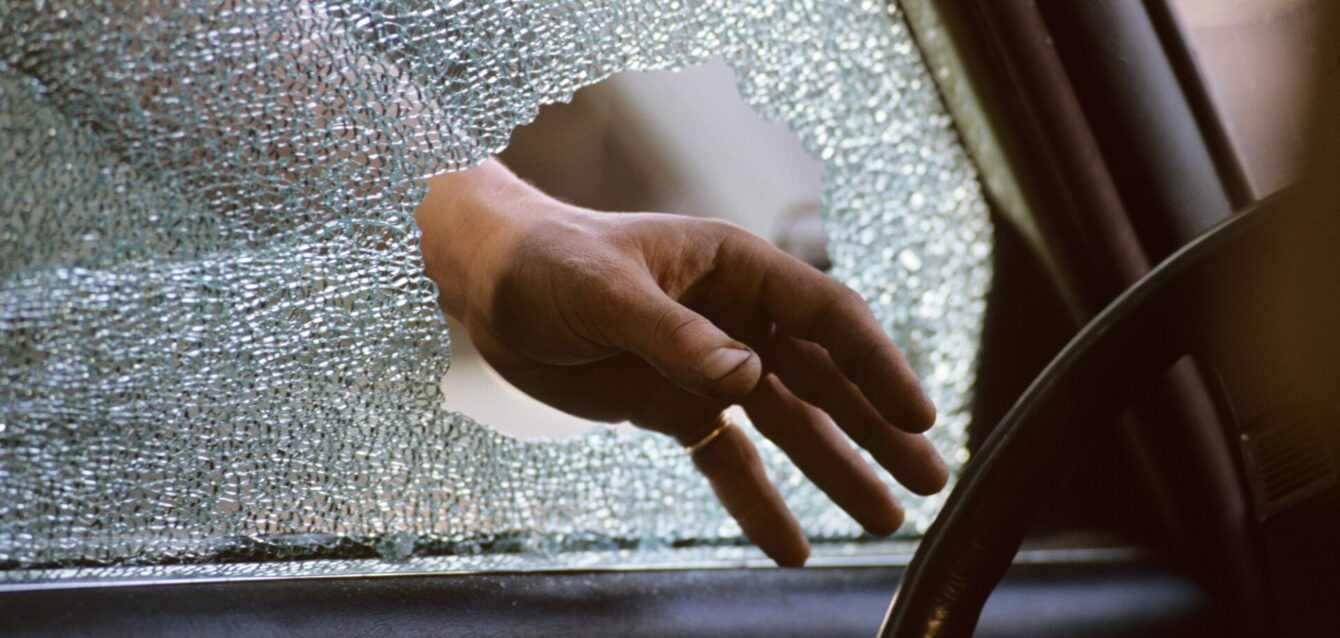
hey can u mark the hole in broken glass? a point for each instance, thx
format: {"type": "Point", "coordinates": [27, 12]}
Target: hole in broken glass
{"type": "Point", "coordinates": [679, 142]}
{"type": "Point", "coordinates": [298, 425]}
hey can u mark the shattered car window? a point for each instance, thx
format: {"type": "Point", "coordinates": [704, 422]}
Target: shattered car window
{"type": "Point", "coordinates": [217, 343]}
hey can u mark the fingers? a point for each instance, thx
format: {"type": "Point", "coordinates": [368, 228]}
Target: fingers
{"type": "Point", "coordinates": [808, 371]}
{"type": "Point", "coordinates": [822, 453]}
{"type": "Point", "coordinates": [732, 466]}
{"type": "Point", "coordinates": [812, 306]}
{"type": "Point", "coordinates": [684, 346]}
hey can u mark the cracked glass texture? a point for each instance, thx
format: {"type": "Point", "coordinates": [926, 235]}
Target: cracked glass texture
{"type": "Point", "coordinates": [216, 344]}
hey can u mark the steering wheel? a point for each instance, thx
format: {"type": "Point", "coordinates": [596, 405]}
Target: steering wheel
{"type": "Point", "coordinates": [1266, 278]}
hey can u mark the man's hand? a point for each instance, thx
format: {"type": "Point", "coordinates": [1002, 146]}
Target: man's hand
{"type": "Point", "coordinates": [664, 321]}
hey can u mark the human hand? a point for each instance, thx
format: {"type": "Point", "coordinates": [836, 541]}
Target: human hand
{"type": "Point", "coordinates": [664, 321]}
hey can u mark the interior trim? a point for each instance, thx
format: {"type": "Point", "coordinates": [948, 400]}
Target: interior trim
{"type": "Point", "coordinates": [893, 555]}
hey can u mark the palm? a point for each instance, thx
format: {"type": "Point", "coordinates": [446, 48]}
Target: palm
{"type": "Point", "coordinates": [618, 388]}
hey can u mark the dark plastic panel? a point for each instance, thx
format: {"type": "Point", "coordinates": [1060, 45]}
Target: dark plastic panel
{"type": "Point", "coordinates": [1065, 599]}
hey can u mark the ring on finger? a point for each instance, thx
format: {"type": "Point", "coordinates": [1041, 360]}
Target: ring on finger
{"type": "Point", "coordinates": [724, 423]}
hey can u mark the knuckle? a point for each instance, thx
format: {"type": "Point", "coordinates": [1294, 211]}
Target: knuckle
{"type": "Point", "coordinates": [850, 301]}
{"type": "Point", "coordinates": [731, 238]}
{"type": "Point", "coordinates": [866, 365]}
{"type": "Point", "coordinates": [832, 308]}
{"type": "Point", "coordinates": [672, 325]}
{"type": "Point", "coordinates": [721, 227]}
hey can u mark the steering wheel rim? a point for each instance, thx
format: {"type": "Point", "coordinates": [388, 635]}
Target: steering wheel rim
{"type": "Point", "coordinates": [1078, 396]}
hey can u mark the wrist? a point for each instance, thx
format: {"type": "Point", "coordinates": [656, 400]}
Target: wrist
{"type": "Point", "coordinates": [469, 221]}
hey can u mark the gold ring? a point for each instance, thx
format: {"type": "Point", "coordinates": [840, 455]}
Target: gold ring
{"type": "Point", "coordinates": [711, 436]}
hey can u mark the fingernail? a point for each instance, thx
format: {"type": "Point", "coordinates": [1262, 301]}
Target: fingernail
{"type": "Point", "coordinates": [722, 361]}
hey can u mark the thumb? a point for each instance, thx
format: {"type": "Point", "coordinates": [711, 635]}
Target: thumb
{"type": "Point", "coordinates": [684, 346]}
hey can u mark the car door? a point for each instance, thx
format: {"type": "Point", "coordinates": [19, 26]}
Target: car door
{"type": "Point", "coordinates": [1056, 171]}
